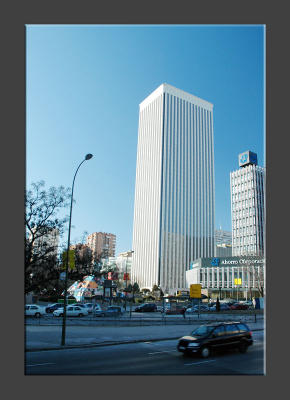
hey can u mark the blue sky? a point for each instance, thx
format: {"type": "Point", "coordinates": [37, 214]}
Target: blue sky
{"type": "Point", "coordinates": [84, 87]}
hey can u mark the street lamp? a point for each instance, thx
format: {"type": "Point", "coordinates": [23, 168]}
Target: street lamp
{"type": "Point", "coordinates": [87, 157]}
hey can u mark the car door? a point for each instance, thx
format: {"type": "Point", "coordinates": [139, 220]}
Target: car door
{"type": "Point", "coordinates": [232, 335]}
{"type": "Point", "coordinates": [70, 311]}
{"type": "Point", "coordinates": [217, 339]}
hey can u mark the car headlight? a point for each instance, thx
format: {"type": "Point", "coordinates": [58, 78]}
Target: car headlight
{"type": "Point", "coordinates": [193, 345]}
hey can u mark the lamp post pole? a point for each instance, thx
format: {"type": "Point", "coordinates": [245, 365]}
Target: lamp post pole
{"type": "Point", "coordinates": [88, 157]}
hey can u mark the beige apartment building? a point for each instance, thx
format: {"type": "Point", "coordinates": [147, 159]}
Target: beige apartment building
{"type": "Point", "coordinates": [102, 244]}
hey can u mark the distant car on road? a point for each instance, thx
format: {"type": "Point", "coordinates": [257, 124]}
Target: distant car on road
{"type": "Point", "coordinates": [52, 307]}
{"type": "Point", "coordinates": [71, 311]}
{"type": "Point", "coordinates": [147, 307]}
{"type": "Point", "coordinates": [113, 311]}
{"type": "Point", "coordinates": [216, 336]}
{"type": "Point", "coordinates": [34, 310]}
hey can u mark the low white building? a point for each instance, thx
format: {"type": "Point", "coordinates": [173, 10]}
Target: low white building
{"type": "Point", "coordinates": [233, 277]}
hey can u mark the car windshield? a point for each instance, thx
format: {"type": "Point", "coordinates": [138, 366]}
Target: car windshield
{"type": "Point", "coordinates": [202, 330]}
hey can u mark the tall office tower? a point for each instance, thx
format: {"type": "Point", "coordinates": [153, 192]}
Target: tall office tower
{"type": "Point", "coordinates": [247, 204]}
{"type": "Point", "coordinates": [174, 192]}
{"type": "Point", "coordinates": [102, 244]}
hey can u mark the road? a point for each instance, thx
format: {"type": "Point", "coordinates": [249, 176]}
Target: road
{"type": "Point", "coordinates": [146, 358]}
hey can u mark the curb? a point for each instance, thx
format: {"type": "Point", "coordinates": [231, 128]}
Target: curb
{"type": "Point", "coordinates": [89, 345]}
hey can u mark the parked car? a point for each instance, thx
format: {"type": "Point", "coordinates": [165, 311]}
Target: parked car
{"type": "Point", "coordinates": [89, 307]}
{"type": "Point", "coordinates": [177, 310]}
{"type": "Point", "coordinates": [216, 336]}
{"type": "Point", "coordinates": [71, 311]}
{"type": "Point", "coordinates": [239, 306]}
{"type": "Point", "coordinates": [223, 307]}
{"type": "Point", "coordinates": [52, 307]}
{"type": "Point", "coordinates": [34, 310]}
{"type": "Point", "coordinates": [113, 311]}
{"type": "Point", "coordinates": [194, 309]}
{"type": "Point", "coordinates": [147, 307]}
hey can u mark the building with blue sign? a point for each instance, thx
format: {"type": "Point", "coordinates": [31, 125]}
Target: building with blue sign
{"type": "Point", "coordinates": [248, 206]}
{"type": "Point", "coordinates": [228, 277]}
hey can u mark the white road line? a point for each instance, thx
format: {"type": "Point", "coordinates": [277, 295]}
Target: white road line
{"type": "Point", "coordinates": [202, 362]}
{"type": "Point", "coordinates": [34, 365]}
{"type": "Point", "coordinates": [165, 351]}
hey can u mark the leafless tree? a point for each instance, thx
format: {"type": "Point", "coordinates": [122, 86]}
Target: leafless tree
{"type": "Point", "coordinates": [41, 223]}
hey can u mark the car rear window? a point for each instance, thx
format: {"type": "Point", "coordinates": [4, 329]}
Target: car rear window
{"type": "Point", "coordinates": [243, 328]}
{"type": "Point", "coordinates": [231, 329]}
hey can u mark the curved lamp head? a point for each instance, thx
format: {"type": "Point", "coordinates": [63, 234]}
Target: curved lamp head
{"type": "Point", "coordinates": [88, 156]}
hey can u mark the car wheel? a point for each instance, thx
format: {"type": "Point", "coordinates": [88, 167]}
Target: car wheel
{"type": "Point", "coordinates": [37, 315]}
{"type": "Point", "coordinates": [81, 315]}
{"type": "Point", "coordinates": [205, 352]}
{"type": "Point", "coordinates": [243, 348]}
{"type": "Point", "coordinates": [61, 315]}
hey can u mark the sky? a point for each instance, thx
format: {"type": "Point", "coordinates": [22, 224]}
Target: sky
{"type": "Point", "coordinates": [84, 84]}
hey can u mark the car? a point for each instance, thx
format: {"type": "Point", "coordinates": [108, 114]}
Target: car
{"type": "Point", "coordinates": [52, 307]}
{"type": "Point", "coordinates": [34, 310]}
{"type": "Point", "coordinates": [89, 307]}
{"type": "Point", "coordinates": [239, 306]}
{"type": "Point", "coordinates": [223, 307]}
{"type": "Point", "coordinates": [177, 310]}
{"type": "Point", "coordinates": [194, 309]}
{"type": "Point", "coordinates": [216, 336]}
{"type": "Point", "coordinates": [147, 307]}
{"type": "Point", "coordinates": [113, 311]}
{"type": "Point", "coordinates": [71, 311]}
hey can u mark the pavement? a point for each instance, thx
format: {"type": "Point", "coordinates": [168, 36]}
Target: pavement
{"type": "Point", "coordinates": [48, 337]}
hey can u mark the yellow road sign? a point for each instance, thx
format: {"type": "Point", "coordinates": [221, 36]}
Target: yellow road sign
{"type": "Point", "coordinates": [238, 281]}
{"type": "Point", "coordinates": [195, 291]}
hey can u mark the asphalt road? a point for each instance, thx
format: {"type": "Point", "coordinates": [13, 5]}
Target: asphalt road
{"type": "Point", "coordinates": [146, 358]}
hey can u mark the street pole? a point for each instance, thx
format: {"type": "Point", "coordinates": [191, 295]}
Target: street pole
{"type": "Point", "coordinates": [126, 284]}
{"type": "Point", "coordinates": [88, 157]}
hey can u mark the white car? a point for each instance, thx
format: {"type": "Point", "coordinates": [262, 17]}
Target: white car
{"type": "Point", "coordinates": [34, 310]}
{"type": "Point", "coordinates": [71, 311]}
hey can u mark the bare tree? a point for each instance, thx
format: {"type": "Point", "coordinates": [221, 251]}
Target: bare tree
{"type": "Point", "coordinates": [42, 229]}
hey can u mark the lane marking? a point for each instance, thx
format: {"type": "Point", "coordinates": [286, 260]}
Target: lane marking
{"type": "Point", "coordinates": [201, 362]}
{"type": "Point", "coordinates": [165, 351]}
{"type": "Point", "coordinates": [34, 365]}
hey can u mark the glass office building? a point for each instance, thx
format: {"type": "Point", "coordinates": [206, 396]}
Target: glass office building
{"type": "Point", "coordinates": [174, 191]}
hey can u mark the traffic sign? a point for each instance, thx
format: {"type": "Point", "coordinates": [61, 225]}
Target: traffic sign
{"type": "Point", "coordinates": [195, 291]}
{"type": "Point", "coordinates": [62, 276]}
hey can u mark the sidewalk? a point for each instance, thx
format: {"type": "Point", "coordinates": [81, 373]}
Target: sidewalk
{"type": "Point", "coordinates": [49, 337]}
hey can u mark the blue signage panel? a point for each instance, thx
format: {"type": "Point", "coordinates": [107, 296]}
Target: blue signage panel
{"type": "Point", "coordinates": [246, 158]}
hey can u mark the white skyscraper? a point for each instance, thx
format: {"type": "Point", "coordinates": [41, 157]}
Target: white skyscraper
{"type": "Point", "coordinates": [247, 203]}
{"type": "Point", "coordinates": [174, 192]}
